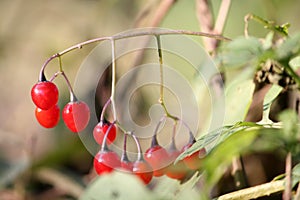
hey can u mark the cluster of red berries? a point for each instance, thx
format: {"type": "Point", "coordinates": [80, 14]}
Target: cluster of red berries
{"type": "Point", "coordinates": [156, 161]}
{"type": "Point", "coordinates": [76, 114]}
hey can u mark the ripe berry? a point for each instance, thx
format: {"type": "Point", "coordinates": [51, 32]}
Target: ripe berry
{"type": "Point", "coordinates": [44, 94]}
{"type": "Point", "coordinates": [178, 170]}
{"type": "Point", "coordinates": [157, 157]}
{"type": "Point", "coordinates": [143, 170]}
{"type": "Point", "coordinates": [100, 131]}
{"type": "Point", "coordinates": [126, 164]}
{"type": "Point", "coordinates": [76, 115]}
{"type": "Point", "coordinates": [48, 118]}
{"type": "Point", "coordinates": [106, 161]}
{"type": "Point", "coordinates": [194, 161]}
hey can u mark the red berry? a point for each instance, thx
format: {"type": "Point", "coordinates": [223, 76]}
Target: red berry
{"type": "Point", "coordinates": [158, 158]}
{"type": "Point", "coordinates": [127, 165]}
{"type": "Point", "coordinates": [48, 118]}
{"type": "Point", "coordinates": [106, 162]}
{"type": "Point", "coordinates": [76, 115]}
{"type": "Point", "coordinates": [177, 171]}
{"type": "Point", "coordinates": [44, 94]}
{"type": "Point", "coordinates": [143, 170]}
{"type": "Point", "coordinates": [100, 131]}
{"type": "Point", "coordinates": [194, 161]}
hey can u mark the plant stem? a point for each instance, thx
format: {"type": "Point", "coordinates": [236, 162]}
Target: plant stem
{"type": "Point", "coordinates": [287, 193]}
{"type": "Point", "coordinates": [113, 79]}
{"type": "Point", "coordinates": [161, 73]}
{"type": "Point", "coordinates": [73, 98]}
{"type": "Point", "coordinates": [139, 149]}
{"type": "Point", "coordinates": [104, 109]}
{"type": "Point", "coordinates": [104, 146]}
{"type": "Point", "coordinates": [254, 192]}
{"type": "Point", "coordinates": [120, 36]}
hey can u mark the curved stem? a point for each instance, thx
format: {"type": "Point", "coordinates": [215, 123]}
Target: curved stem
{"type": "Point", "coordinates": [129, 35]}
{"type": "Point", "coordinates": [139, 149]}
{"type": "Point", "coordinates": [104, 109]}
{"type": "Point", "coordinates": [124, 156]}
{"type": "Point", "coordinates": [173, 144]}
{"type": "Point", "coordinates": [73, 98]}
{"type": "Point", "coordinates": [113, 79]}
{"type": "Point", "coordinates": [161, 73]}
{"type": "Point", "coordinates": [154, 141]}
{"type": "Point", "coordinates": [42, 75]}
{"type": "Point", "coordinates": [104, 146]}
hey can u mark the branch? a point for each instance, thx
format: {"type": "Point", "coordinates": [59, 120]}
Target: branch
{"type": "Point", "coordinates": [59, 181]}
{"type": "Point", "coordinates": [255, 192]}
{"type": "Point", "coordinates": [287, 194]}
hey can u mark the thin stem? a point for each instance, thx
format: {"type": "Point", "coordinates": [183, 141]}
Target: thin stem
{"type": "Point", "coordinates": [161, 70]}
{"type": "Point", "coordinates": [104, 146]}
{"type": "Point", "coordinates": [104, 109]}
{"type": "Point", "coordinates": [287, 193]}
{"type": "Point", "coordinates": [113, 78]}
{"type": "Point", "coordinates": [222, 16]}
{"type": "Point", "coordinates": [254, 192]}
{"type": "Point", "coordinates": [173, 144]}
{"type": "Point", "coordinates": [73, 98]}
{"type": "Point", "coordinates": [60, 64]}
{"type": "Point", "coordinates": [161, 73]}
{"type": "Point", "coordinates": [129, 35]}
{"type": "Point", "coordinates": [124, 154]}
{"type": "Point", "coordinates": [139, 149]}
{"type": "Point", "coordinates": [54, 76]}
{"type": "Point", "coordinates": [154, 141]}
{"type": "Point", "coordinates": [42, 75]}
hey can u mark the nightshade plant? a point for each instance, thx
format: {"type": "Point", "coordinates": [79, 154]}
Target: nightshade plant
{"type": "Point", "coordinates": [270, 62]}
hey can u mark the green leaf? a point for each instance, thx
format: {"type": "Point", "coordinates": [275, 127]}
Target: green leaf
{"type": "Point", "coordinates": [170, 189]}
{"type": "Point", "coordinates": [295, 63]}
{"type": "Point", "coordinates": [119, 186]}
{"type": "Point", "coordinates": [289, 48]}
{"type": "Point", "coordinates": [220, 157]}
{"type": "Point", "coordinates": [296, 174]}
{"type": "Point", "coordinates": [268, 42]}
{"type": "Point", "coordinates": [271, 95]}
{"type": "Point", "coordinates": [241, 51]}
{"type": "Point", "coordinates": [238, 97]}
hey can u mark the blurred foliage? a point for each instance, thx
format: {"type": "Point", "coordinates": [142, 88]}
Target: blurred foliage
{"type": "Point", "coordinates": [33, 30]}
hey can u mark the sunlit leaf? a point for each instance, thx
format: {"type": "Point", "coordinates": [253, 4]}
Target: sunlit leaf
{"type": "Point", "coordinates": [238, 100]}
{"type": "Point", "coordinates": [295, 63]}
{"type": "Point", "coordinates": [289, 47]}
{"type": "Point", "coordinates": [241, 51]}
{"type": "Point", "coordinates": [117, 186]}
{"type": "Point", "coordinates": [217, 161]}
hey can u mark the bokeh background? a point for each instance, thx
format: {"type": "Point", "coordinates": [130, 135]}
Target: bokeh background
{"type": "Point", "coordinates": [33, 30]}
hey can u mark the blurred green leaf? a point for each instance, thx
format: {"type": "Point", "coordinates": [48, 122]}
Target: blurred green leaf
{"type": "Point", "coordinates": [289, 48]}
{"type": "Point", "coordinates": [241, 51]}
{"type": "Point", "coordinates": [119, 186]}
{"type": "Point", "coordinates": [268, 42]}
{"type": "Point", "coordinates": [219, 158]}
{"type": "Point", "coordinates": [296, 174]}
{"type": "Point", "coordinates": [170, 189]}
{"type": "Point", "coordinates": [295, 63]}
{"type": "Point", "coordinates": [238, 99]}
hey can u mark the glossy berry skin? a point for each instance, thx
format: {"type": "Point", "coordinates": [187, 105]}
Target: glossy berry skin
{"type": "Point", "coordinates": [194, 161]}
{"type": "Point", "coordinates": [177, 171]}
{"type": "Point", "coordinates": [143, 170]}
{"type": "Point", "coordinates": [106, 162]}
{"type": "Point", "coordinates": [44, 95]}
{"type": "Point", "coordinates": [100, 131]}
{"type": "Point", "coordinates": [76, 115]}
{"type": "Point", "coordinates": [48, 118]}
{"type": "Point", "coordinates": [126, 166]}
{"type": "Point", "coordinates": [158, 158]}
